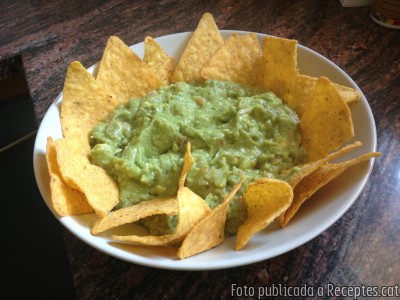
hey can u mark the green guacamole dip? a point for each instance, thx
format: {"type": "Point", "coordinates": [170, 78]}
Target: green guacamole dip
{"type": "Point", "coordinates": [234, 131]}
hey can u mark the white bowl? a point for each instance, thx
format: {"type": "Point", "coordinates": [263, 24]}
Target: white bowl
{"type": "Point", "coordinates": [315, 216]}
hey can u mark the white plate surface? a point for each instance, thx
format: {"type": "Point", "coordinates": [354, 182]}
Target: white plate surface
{"type": "Point", "coordinates": [315, 216]}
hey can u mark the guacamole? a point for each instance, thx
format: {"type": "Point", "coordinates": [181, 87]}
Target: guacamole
{"type": "Point", "coordinates": [234, 131]}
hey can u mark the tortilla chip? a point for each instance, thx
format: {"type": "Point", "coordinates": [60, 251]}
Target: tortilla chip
{"type": "Point", "coordinates": [84, 103]}
{"type": "Point", "coordinates": [309, 168]}
{"type": "Point", "coordinates": [188, 162]}
{"type": "Point", "coordinates": [158, 59]}
{"type": "Point", "coordinates": [266, 199]}
{"type": "Point", "coordinates": [100, 190]}
{"type": "Point", "coordinates": [238, 60]}
{"type": "Point", "coordinates": [65, 200]}
{"type": "Point", "coordinates": [205, 41]}
{"type": "Point", "coordinates": [191, 209]}
{"type": "Point", "coordinates": [348, 94]}
{"type": "Point", "coordinates": [166, 206]}
{"type": "Point", "coordinates": [304, 87]}
{"type": "Point", "coordinates": [302, 92]}
{"type": "Point", "coordinates": [123, 74]}
{"type": "Point", "coordinates": [279, 67]}
{"type": "Point", "coordinates": [317, 179]}
{"type": "Point", "coordinates": [209, 232]}
{"type": "Point", "coordinates": [327, 122]}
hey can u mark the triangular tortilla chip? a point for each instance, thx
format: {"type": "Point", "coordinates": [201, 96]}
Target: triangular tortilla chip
{"type": "Point", "coordinates": [158, 59]}
{"type": "Point", "coordinates": [123, 74]}
{"type": "Point", "coordinates": [206, 39]}
{"type": "Point", "coordinates": [100, 190]}
{"type": "Point", "coordinates": [348, 94]}
{"type": "Point", "coordinates": [188, 162]}
{"type": "Point", "coordinates": [66, 201]}
{"type": "Point", "coordinates": [317, 179]}
{"type": "Point", "coordinates": [327, 122]}
{"type": "Point", "coordinates": [266, 199]}
{"type": "Point", "coordinates": [84, 103]}
{"type": "Point", "coordinates": [191, 209]}
{"type": "Point", "coordinates": [238, 60]}
{"type": "Point", "coordinates": [209, 232]}
{"type": "Point", "coordinates": [306, 169]}
{"type": "Point", "coordinates": [130, 214]}
{"type": "Point", "coordinates": [304, 87]}
{"type": "Point", "coordinates": [279, 67]}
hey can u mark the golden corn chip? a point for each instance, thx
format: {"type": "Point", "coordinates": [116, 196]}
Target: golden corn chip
{"type": "Point", "coordinates": [209, 232]}
{"type": "Point", "coordinates": [191, 209]}
{"type": "Point", "coordinates": [266, 199]}
{"type": "Point", "coordinates": [188, 162]}
{"type": "Point", "coordinates": [279, 67]}
{"type": "Point", "coordinates": [150, 240]}
{"type": "Point", "coordinates": [327, 122]}
{"type": "Point", "coordinates": [238, 60]}
{"type": "Point", "coordinates": [307, 169]}
{"type": "Point", "coordinates": [123, 74]}
{"type": "Point", "coordinates": [205, 41]}
{"type": "Point", "coordinates": [100, 190]}
{"type": "Point", "coordinates": [66, 201]}
{"type": "Point", "coordinates": [304, 171]}
{"type": "Point", "coordinates": [167, 206]}
{"type": "Point", "coordinates": [349, 94]}
{"type": "Point", "coordinates": [304, 87]}
{"type": "Point", "coordinates": [317, 179]}
{"type": "Point", "coordinates": [302, 92]}
{"type": "Point", "coordinates": [84, 103]}
{"type": "Point", "coordinates": [158, 59]}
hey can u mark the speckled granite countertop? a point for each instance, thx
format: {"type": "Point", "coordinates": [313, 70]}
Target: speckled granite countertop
{"type": "Point", "coordinates": [360, 249]}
